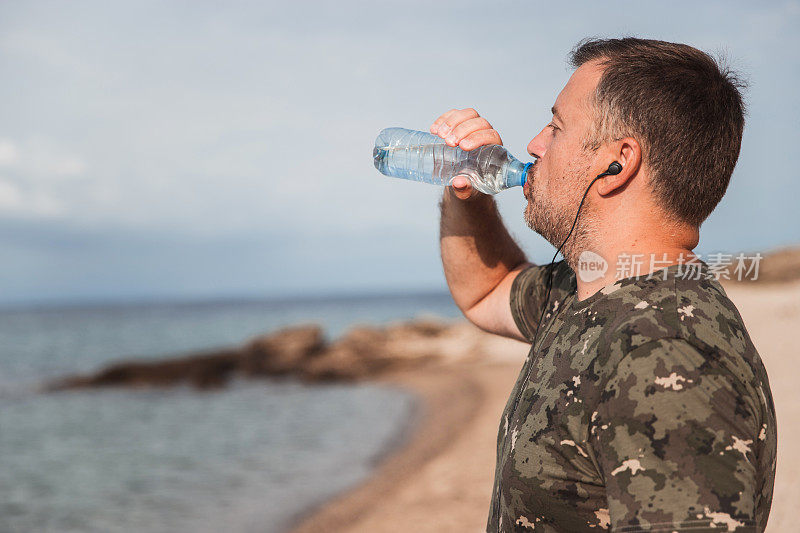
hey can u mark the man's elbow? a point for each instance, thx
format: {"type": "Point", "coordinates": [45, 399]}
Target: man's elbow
{"type": "Point", "coordinates": [493, 321]}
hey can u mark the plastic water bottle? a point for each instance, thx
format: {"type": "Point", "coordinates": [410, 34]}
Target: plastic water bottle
{"type": "Point", "coordinates": [421, 156]}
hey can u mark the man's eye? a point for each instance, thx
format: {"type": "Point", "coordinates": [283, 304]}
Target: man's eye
{"type": "Point", "coordinates": [553, 126]}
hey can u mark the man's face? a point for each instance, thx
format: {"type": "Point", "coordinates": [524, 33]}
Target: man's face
{"type": "Point", "coordinates": [563, 170]}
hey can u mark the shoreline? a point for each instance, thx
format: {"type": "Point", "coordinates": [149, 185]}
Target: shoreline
{"type": "Point", "coordinates": [404, 491]}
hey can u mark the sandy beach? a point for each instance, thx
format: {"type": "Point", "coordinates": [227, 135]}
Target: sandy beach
{"type": "Point", "coordinates": [440, 479]}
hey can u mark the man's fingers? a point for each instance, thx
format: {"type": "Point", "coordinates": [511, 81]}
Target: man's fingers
{"type": "Point", "coordinates": [466, 128]}
{"type": "Point", "coordinates": [470, 125]}
{"type": "Point", "coordinates": [452, 119]}
{"type": "Point", "coordinates": [480, 138]}
{"type": "Point", "coordinates": [439, 121]}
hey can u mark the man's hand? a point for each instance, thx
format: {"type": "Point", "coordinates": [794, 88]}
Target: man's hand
{"type": "Point", "coordinates": [468, 130]}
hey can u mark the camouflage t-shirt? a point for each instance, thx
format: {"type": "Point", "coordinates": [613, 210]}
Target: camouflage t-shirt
{"type": "Point", "coordinates": [644, 407]}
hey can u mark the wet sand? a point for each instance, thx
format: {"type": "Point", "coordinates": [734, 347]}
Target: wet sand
{"type": "Point", "coordinates": [441, 478]}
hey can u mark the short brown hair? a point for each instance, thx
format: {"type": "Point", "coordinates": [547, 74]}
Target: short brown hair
{"type": "Point", "coordinates": [685, 110]}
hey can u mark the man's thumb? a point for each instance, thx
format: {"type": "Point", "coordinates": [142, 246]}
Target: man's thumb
{"type": "Point", "coordinates": [460, 183]}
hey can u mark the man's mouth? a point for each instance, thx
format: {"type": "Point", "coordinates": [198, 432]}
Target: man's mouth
{"type": "Point", "coordinates": [528, 187]}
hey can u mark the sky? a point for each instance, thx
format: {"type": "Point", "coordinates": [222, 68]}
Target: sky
{"type": "Point", "coordinates": [188, 150]}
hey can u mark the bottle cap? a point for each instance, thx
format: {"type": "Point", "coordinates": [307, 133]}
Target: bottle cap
{"type": "Point", "coordinates": [524, 177]}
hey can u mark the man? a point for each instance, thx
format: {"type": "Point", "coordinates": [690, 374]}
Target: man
{"type": "Point", "coordinates": [643, 404]}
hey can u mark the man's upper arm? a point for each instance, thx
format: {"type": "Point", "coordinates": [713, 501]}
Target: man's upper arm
{"type": "Point", "coordinates": [675, 438]}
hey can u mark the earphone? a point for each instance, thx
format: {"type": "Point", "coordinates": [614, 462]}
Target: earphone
{"type": "Point", "coordinates": [612, 170]}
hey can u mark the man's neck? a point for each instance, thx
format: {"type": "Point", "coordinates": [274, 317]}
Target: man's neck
{"type": "Point", "coordinates": [627, 240]}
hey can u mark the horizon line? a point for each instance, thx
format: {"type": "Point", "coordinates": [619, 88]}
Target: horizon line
{"type": "Point", "coordinates": [186, 300]}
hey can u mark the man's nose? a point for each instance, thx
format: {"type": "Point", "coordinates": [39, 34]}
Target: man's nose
{"type": "Point", "coordinates": [538, 145]}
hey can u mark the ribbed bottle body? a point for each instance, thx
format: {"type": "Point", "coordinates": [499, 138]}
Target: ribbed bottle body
{"type": "Point", "coordinates": [421, 156]}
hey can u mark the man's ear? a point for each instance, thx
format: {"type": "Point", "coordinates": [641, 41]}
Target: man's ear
{"type": "Point", "coordinates": [629, 155]}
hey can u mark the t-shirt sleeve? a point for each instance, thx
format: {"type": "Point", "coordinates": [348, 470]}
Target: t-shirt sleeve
{"type": "Point", "coordinates": [529, 290]}
{"type": "Point", "coordinates": [674, 434]}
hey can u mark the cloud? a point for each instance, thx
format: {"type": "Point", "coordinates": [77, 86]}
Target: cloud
{"type": "Point", "coordinates": [40, 159]}
{"type": "Point", "coordinates": [38, 179]}
{"type": "Point", "coordinates": [69, 167]}
{"type": "Point", "coordinates": [32, 203]}
{"type": "Point", "coordinates": [10, 197]}
{"type": "Point", "coordinates": [8, 153]}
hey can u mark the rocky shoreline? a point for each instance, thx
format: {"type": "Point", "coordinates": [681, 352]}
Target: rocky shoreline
{"type": "Point", "coordinates": [302, 352]}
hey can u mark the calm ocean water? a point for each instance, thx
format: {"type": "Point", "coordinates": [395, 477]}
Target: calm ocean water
{"type": "Point", "coordinates": [247, 458]}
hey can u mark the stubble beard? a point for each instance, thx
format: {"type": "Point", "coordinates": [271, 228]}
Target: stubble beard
{"type": "Point", "coordinates": [551, 210]}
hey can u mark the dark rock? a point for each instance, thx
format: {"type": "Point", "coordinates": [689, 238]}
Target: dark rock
{"type": "Point", "coordinates": [203, 371]}
{"type": "Point", "coordinates": [356, 355]}
{"type": "Point", "coordinates": [300, 351]}
{"type": "Point", "coordinates": [282, 352]}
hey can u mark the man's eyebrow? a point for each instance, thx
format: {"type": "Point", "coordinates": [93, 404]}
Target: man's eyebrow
{"type": "Point", "coordinates": [556, 114]}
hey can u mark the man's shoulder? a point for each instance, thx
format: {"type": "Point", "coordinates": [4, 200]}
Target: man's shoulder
{"type": "Point", "coordinates": [668, 304]}
{"type": "Point", "coordinates": [693, 309]}
{"type": "Point", "coordinates": [535, 278]}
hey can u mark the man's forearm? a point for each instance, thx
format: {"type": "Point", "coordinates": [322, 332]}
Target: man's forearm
{"type": "Point", "coordinates": [477, 250]}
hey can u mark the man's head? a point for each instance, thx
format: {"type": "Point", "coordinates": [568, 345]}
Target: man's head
{"type": "Point", "coordinates": [667, 112]}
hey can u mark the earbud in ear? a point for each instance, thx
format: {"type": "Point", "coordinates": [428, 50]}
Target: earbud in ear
{"type": "Point", "coordinates": [612, 170]}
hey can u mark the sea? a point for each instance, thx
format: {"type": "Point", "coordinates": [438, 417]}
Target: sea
{"type": "Point", "coordinates": [255, 456]}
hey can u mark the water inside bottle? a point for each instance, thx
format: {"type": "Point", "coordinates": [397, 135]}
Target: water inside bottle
{"type": "Point", "coordinates": [419, 156]}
